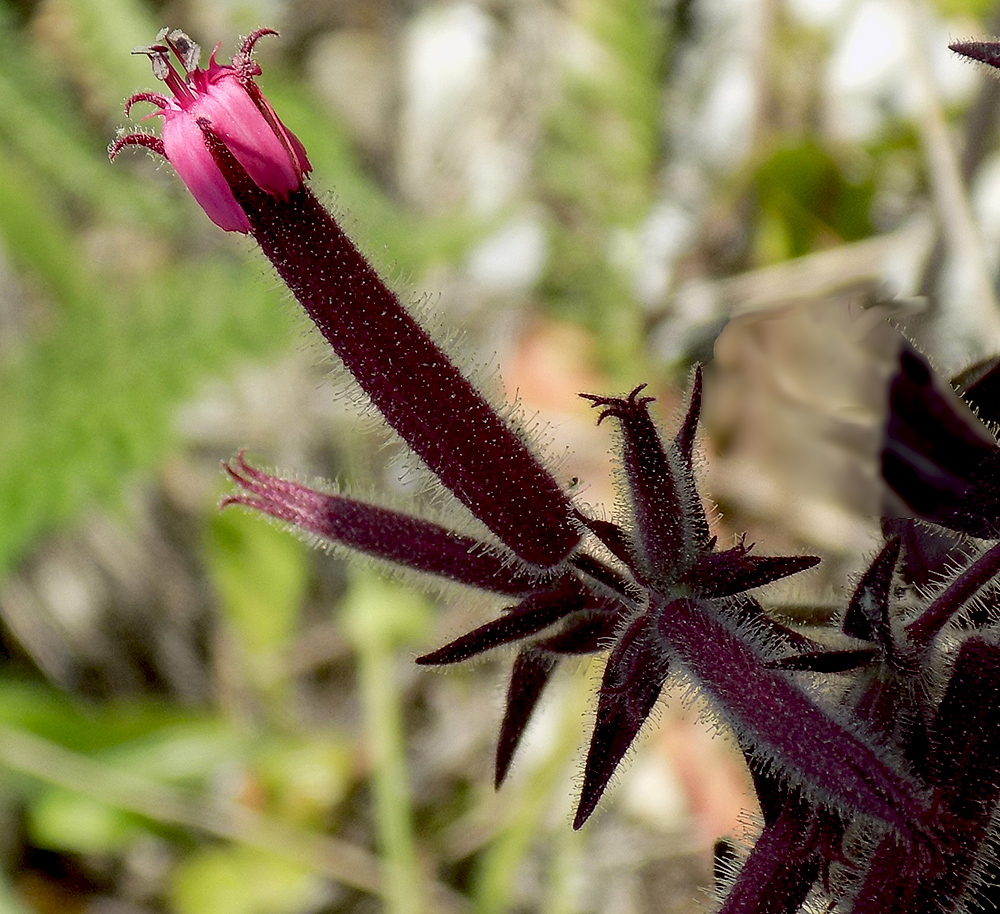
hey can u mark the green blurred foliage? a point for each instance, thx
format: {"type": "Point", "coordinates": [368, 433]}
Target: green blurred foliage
{"type": "Point", "coordinates": [64, 820]}
{"type": "Point", "coordinates": [305, 776]}
{"type": "Point", "coordinates": [87, 402]}
{"type": "Point", "coordinates": [260, 575]}
{"type": "Point", "coordinates": [377, 617]}
{"type": "Point", "coordinates": [806, 202]}
{"type": "Point", "coordinates": [135, 301]}
{"type": "Point", "coordinates": [597, 170]}
{"type": "Point", "coordinates": [976, 9]}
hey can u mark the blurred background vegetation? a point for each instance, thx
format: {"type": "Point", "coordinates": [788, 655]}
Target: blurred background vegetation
{"type": "Point", "coordinates": [199, 713]}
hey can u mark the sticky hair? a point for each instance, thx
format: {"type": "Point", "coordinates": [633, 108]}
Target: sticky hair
{"type": "Point", "coordinates": [485, 376]}
{"type": "Point", "coordinates": [980, 884]}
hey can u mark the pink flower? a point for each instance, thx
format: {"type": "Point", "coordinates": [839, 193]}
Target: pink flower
{"type": "Point", "coordinates": [218, 105]}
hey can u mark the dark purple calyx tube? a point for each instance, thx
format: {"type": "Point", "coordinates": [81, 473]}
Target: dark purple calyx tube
{"type": "Point", "coordinates": [411, 382]}
{"type": "Point", "coordinates": [669, 527]}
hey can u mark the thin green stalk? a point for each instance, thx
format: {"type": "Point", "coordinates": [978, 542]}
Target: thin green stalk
{"type": "Point", "coordinates": [392, 801]}
{"type": "Point", "coordinates": [377, 618]}
{"type": "Point", "coordinates": [566, 861]}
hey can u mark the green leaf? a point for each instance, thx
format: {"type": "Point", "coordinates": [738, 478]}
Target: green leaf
{"type": "Point", "coordinates": [42, 710]}
{"type": "Point", "coordinates": [67, 821]}
{"type": "Point", "coordinates": [240, 880]}
{"type": "Point", "coordinates": [259, 573]}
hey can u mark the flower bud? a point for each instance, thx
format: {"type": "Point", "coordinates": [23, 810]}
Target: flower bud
{"type": "Point", "coordinates": [221, 104]}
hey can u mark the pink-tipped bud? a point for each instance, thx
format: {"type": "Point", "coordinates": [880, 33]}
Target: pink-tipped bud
{"type": "Point", "coordinates": [219, 104]}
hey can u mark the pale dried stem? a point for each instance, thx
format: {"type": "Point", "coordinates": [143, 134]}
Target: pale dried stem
{"type": "Point", "coordinates": [950, 194]}
{"type": "Point", "coordinates": [334, 859]}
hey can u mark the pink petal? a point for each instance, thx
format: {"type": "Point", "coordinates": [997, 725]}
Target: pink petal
{"type": "Point", "coordinates": [185, 148]}
{"type": "Point", "coordinates": [248, 135]}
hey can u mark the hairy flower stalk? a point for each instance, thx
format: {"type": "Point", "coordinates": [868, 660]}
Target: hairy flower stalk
{"type": "Point", "coordinates": [246, 170]}
{"type": "Point", "coordinates": [874, 777]}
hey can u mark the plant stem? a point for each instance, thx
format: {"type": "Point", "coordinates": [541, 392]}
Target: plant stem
{"type": "Point", "coordinates": [375, 616]}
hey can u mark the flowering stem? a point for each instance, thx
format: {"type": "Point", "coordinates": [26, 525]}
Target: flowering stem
{"type": "Point", "coordinates": [785, 727]}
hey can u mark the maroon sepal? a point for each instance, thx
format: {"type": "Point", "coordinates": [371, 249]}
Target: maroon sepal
{"type": "Point", "coordinates": [669, 526]}
{"type": "Point", "coordinates": [792, 852]}
{"type": "Point", "coordinates": [952, 599]}
{"type": "Point", "coordinates": [826, 661]}
{"type": "Point", "coordinates": [380, 532]}
{"type": "Point", "coordinates": [531, 673]}
{"type": "Point", "coordinates": [535, 613]}
{"type": "Point", "coordinates": [724, 574]}
{"type": "Point", "coordinates": [867, 616]}
{"type": "Point", "coordinates": [633, 678]}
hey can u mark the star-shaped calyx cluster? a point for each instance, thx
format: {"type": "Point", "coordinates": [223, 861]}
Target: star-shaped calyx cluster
{"type": "Point", "coordinates": [662, 598]}
{"type": "Point", "coordinates": [919, 673]}
{"type": "Point", "coordinates": [668, 554]}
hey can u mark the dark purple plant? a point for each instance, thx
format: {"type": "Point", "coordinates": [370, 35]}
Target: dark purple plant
{"type": "Point", "coordinates": [877, 789]}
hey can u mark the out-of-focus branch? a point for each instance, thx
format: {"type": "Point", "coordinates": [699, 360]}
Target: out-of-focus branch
{"type": "Point", "coordinates": [980, 126]}
{"type": "Point", "coordinates": [951, 200]}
